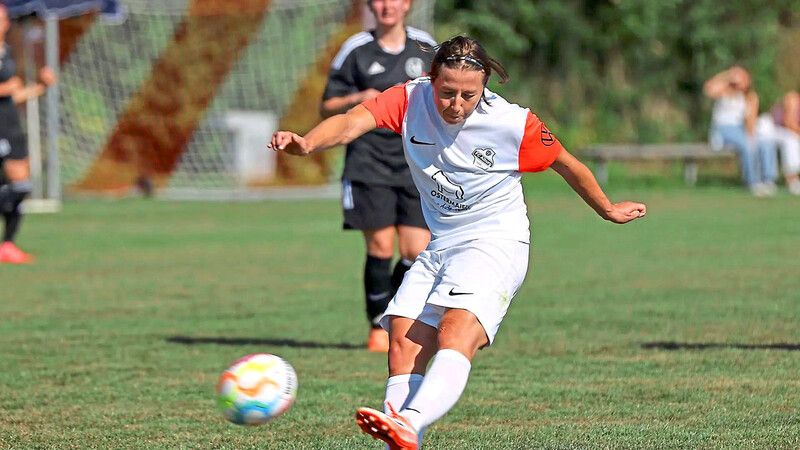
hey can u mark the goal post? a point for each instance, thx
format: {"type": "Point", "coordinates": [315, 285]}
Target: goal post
{"type": "Point", "coordinates": [43, 33]}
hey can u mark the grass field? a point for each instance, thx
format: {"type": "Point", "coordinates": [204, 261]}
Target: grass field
{"type": "Point", "coordinates": [116, 337]}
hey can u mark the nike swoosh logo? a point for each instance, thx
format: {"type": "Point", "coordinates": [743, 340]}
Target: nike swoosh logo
{"type": "Point", "coordinates": [415, 141]}
{"type": "Point", "coordinates": [458, 293]}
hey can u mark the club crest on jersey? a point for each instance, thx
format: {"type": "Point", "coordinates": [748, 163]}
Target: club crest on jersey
{"type": "Point", "coordinates": [547, 137]}
{"type": "Point", "coordinates": [414, 67]}
{"type": "Point", "coordinates": [483, 158]}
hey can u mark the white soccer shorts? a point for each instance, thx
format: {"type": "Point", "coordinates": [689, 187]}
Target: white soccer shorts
{"type": "Point", "coordinates": [480, 276]}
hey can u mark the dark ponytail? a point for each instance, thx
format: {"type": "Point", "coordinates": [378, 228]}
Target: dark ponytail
{"type": "Point", "coordinates": [463, 52]}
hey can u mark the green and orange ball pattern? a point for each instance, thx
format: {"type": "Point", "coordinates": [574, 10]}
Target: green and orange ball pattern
{"type": "Point", "coordinates": [256, 389]}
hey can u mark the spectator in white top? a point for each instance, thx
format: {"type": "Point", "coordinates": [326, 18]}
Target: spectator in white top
{"type": "Point", "coordinates": [780, 129]}
{"type": "Point", "coordinates": [733, 121]}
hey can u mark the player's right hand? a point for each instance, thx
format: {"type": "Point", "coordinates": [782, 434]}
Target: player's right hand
{"type": "Point", "coordinates": [290, 143]}
{"type": "Point", "coordinates": [624, 212]}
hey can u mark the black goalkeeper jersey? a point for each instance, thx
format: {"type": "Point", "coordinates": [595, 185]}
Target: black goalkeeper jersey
{"type": "Point", "coordinates": [377, 157]}
{"type": "Point", "coordinates": [9, 116]}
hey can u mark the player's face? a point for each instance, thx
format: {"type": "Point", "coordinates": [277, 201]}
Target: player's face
{"type": "Point", "coordinates": [457, 93]}
{"type": "Point", "coordinates": [389, 13]}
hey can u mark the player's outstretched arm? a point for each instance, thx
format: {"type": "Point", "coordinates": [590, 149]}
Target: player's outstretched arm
{"type": "Point", "coordinates": [337, 130]}
{"type": "Point", "coordinates": [582, 181]}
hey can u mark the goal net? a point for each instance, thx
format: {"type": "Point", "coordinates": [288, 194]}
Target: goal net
{"type": "Point", "coordinates": [183, 94]}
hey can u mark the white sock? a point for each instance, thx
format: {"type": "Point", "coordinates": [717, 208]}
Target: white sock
{"type": "Point", "coordinates": [400, 389]}
{"type": "Point", "coordinates": [442, 386]}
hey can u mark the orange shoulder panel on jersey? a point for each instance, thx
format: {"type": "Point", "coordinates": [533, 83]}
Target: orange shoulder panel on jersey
{"type": "Point", "coordinates": [539, 148]}
{"type": "Point", "coordinates": [389, 108]}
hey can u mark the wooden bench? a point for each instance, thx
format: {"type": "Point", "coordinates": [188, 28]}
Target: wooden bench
{"type": "Point", "coordinates": [690, 153]}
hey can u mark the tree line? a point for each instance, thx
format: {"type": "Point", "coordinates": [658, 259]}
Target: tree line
{"type": "Point", "coordinates": [629, 70]}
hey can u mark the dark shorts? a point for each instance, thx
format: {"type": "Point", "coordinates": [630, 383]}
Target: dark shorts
{"type": "Point", "coordinates": [372, 206]}
{"type": "Point", "coordinates": [14, 146]}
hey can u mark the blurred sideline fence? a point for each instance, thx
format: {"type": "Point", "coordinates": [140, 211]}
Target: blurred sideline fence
{"type": "Point", "coordinates": [182, 95]}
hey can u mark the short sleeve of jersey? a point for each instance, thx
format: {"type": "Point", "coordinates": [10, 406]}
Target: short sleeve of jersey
{"type": "Point", "coordinates": [539, 148]}
{"type": "Point", "coordinates": [342, 79]}
{"type": "Point", "coordinates": [389, 108]}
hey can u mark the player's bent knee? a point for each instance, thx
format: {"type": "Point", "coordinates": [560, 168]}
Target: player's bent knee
{"type": "Point", "coordinates": [410, 254]}
{"type": "Point", "coordinates": [403, 358]}
{"type": "Point", "coordinates": [380, 242]}
{"type": "Point", "coordinates": [412, 241]}
{"type": "Point", "coordinates": [461, 331]}
{"type": "Point", "coordinates": [380, 249]}
{"type": "Point", "coordinates": [411, 348]}
{"type": "Point", "coordinates": [17, 170]}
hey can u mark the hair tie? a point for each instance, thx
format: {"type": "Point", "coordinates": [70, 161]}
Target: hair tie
{"type": "Point", "coordinates": [467, 59]}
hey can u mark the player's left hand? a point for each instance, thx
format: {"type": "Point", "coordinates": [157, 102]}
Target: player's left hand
{"type": "Point", "coordinates": [624, 212]}
{"type": "Point", "coordinates": [290, 143]}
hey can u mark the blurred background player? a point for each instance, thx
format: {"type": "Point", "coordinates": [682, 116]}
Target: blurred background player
{"type": "Point", "coordinates": [15, 184]}
{"type": "Point", "coordinates": [458, 291]}
{"type": "Point", "coordinates": [733, 120]}
{"type": "Point", "coordinates": [378, 195]}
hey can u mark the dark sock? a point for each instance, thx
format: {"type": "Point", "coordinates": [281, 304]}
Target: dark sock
{"type": "Point", "coordinates": [6, 203]}
{"type": "Point", "coordinates": [377, 286]}
{"type": "Point", "coordinates": [12, 225]}
{"type": "Point", "coordinates": [399, 271]}
{"type": "Point", "coordinates": [11, 197]}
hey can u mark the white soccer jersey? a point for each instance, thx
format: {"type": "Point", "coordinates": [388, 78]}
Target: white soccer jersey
{"type": "Point", "coordinates": [468, 174]}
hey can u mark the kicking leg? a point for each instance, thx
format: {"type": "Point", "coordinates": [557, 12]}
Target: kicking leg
{"type": "Point", "coordinates": [412, 346]}
{"type": "Point", "coordinates": [459, 338]}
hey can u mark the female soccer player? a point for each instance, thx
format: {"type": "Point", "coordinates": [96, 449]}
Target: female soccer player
{"type": "Point", "coordinates": [467, 148]}
{"type": "Point", "coordinates": [379, 197]}
{"type": "Point", "coordinates": [13, 150]}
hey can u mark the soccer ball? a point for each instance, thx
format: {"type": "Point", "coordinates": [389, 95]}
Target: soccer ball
{"type": "Point", "coordinates": [256, 389]}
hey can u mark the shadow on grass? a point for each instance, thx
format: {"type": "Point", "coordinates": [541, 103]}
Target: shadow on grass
{"type": "Point", "coordinates": [670, 345]}
{"type": "Point", "coordinates": [192, 340]}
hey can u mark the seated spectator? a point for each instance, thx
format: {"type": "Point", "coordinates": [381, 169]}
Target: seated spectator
{"type": "Point", "coordinates": [733, 120]}
{"type": "Point", "coordinates": [786, 136]}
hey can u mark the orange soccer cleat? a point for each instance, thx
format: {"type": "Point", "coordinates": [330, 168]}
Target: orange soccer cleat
{"type": "Point", "coordinates": [11, 254]}
{"type": "Point", "coordinates": [378, 340]}
{"type": "Point", "coordinates": [391, 428]}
